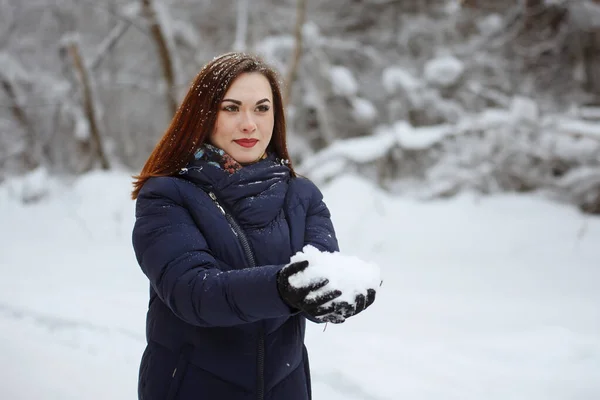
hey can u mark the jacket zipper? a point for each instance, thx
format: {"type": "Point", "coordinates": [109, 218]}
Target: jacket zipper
{"type": "Point", "coordinates": [235, 227]}
{"type": "Point", "coordinates": [237, 230]}
{"type": "Point", "coordinates": [239, 233]}
{"type": "Point", "coordinates": [261, 364]}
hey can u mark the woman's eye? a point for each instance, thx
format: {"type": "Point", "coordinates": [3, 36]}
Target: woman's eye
{"type": "Point", "coordinates": [230, 108]}
{"type": "Point", "coordinates": [264, 108]}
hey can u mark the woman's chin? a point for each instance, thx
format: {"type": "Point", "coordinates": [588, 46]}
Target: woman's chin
{"type": "Point", "coordinates": [246, 157]}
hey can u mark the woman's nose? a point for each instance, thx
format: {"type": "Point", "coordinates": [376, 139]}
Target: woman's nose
{"type": "Point", "coordinates": [248, 125]}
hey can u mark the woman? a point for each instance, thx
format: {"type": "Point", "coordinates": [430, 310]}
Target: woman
{"type": "Point", "coordinates": [219, 214]}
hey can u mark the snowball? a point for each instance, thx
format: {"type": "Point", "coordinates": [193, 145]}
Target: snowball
{"type": "Point", "coordinates": [444, 71]}
{"type": "Point", "coordinates": [349, 274]}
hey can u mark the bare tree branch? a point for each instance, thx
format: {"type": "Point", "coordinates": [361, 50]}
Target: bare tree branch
{"type": "Point", "coordinates": [166, 58]}
{"type": "Point", "coordinates": [9, 28]}
{"type": "Point", "coordinates": [89, 106]}
{"type": "Point", "coordinates": [108, 43]}
{"type": "Point", "coordinates": [121, 17]}
{"type": "Point", "coordinates": [20, 115]}
{"type": "Point", "coordinates": [291, 76]}
{"type": "Point", "coordinates": [241, 29]}
{"type": "Point", "coordinates": [327, 133]}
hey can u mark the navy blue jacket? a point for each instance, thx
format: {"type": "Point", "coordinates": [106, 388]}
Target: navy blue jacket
{"type": "Point", "coordinates": [216, 325]}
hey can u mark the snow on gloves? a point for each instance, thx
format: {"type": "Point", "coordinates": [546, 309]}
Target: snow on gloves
{"type": "Point", "coordinates": [330, 287]}
{"type": "Point", "coordinates": [296, 296]}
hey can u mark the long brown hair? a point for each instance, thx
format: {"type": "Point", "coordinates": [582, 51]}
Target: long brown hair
{"type": "Point", "coordinates": [195, 118]}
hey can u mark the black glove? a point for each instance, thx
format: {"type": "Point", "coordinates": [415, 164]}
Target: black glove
{"type": "Point", "coordinates": [338, 311]}
{"type": "Point", "coordinates": [295, 297]}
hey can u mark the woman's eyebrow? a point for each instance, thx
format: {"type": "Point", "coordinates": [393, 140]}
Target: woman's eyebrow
{"type": "Point", "coordinates": [239, 103]}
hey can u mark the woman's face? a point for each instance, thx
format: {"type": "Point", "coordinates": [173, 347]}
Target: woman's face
{"type": "Point", "coordinates": [245, 118]}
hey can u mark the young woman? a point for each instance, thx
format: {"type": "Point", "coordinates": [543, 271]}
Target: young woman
{"type": "Point", "coordinates": [219, 214]}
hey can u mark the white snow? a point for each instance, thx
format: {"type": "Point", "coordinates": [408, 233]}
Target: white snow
{"type": "Point", "coordinates": [395, 78]}
{"type": "Point", "coordinates": [361, 150]}
{"type": "Point", "coordinates": [581, 181]}
{"type": "Point", "coordinates": [589, 113]}
{"type": "Point", "coordinates": [584, 14]}
{"type": "Point", "coordinates": [343, 82]}
{"type": "Point", "coordinates": [81, 131]}
{"type": "Point", "coordinates": [34, 185]}
{"type": "Point", "coordinates": [367, 149]}
{"type": "Point", "coordinates": [270, 46]}
{"type": "Point", "coordinates": [422, 137]}
{"type": "Point", "coordinates": [364, 110]}
{"type": "Point", "coordinates": [491, 24]}
{"type": "Point", "coordinates": [443, 71]}
{"type": "Point", "coordinates": [579, 127]}
{"type": "Point", "coordinates": [348, 274]}
{"type": "Point", "coordinates": [524, 109]}
{"type": "Point", "coordinates": [11, 69]}
{"type": "Point", "coordinates": [490, 298]}
{"type": "Point", "coordinates": [311, 33]}
{"type": "Point", "coordinates": [324, 171]}
{"type": "Point", "coordinates": [131, 10]}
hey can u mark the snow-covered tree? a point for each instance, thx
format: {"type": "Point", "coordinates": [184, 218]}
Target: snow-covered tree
{"type": "Point", "coordinates": [427, 96]}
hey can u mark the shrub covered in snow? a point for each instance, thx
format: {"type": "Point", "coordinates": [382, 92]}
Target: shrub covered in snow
{"type": "Point", "coordinates": [494, 151]}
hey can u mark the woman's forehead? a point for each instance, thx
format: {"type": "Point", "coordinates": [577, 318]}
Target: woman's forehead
{"type": "Point", "coordinates": [250, 85]}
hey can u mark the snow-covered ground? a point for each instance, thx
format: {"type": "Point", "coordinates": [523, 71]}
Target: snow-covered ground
{"type": "Point", "coordinates": [483, 298]}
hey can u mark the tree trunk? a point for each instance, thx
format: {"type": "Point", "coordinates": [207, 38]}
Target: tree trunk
{"type": "Point", "coordinates": [293, 71]}
{"type": "Point", "coordinates": [29, 156]}
{"type": "Point", "coordinates": [89, 107]}
{"type": "Point", "coordinates": [166, 58]}
{"type": "Point", "coordinates": [241, 30]}
{"type": "Point", "coordinates": [533, 8]}
{"type": "Point", "coordinates": [591, 60]}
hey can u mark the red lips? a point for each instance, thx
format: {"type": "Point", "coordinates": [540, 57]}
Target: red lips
{"type": "Point", "coordinates": [246, 142]}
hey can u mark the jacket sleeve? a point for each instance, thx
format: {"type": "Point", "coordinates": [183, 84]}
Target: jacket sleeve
{"type": "Point", "coordinates": [319, 231]}
{"type": "Point", "coordinates": [174, 255]}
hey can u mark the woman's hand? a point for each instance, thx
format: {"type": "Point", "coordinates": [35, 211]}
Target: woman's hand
{"type": "Point", "coordinates": [328, 287]}
{"type": "Point", "coordinates": [297, 296]}
{"type": "Point", "coordinates": [338, 311]}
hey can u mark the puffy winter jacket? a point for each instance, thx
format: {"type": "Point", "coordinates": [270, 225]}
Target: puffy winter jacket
{"type": "Point", "coordinates": [211, 244]}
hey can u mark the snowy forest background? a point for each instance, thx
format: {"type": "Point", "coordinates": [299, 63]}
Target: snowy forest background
{"type": "Point", "coordinates": [457, 145]}
{"type": "Point", "coordinates": [424, 97]}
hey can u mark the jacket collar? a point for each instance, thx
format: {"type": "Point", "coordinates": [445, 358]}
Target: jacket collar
{"type": "Point", "coordinates": [254, 193]}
